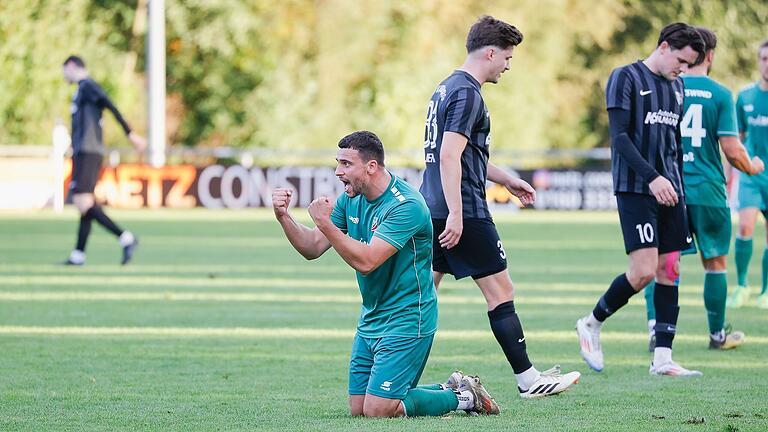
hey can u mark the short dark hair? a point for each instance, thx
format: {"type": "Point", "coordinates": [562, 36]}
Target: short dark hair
{"type": "Point", "coordinates": [76, 60]}
{"type": "Point", "coordinates": [490, 31]}
{"type": "Point", "coordinates": [763, 44]}
{"type": "Point", "coordinates": [367, 144]}
{"type": "Point", "coordinates": [710, 39]}
{"type": "Point", "coordinates": [680, 35]}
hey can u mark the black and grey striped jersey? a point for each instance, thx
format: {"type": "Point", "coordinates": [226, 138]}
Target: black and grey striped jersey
{"type": "Point", "coordinates": [656, 106]}
{"type": "Point", "coordinates": [87, 104]}
{"type": "Point", "coordinates": [457, 106]}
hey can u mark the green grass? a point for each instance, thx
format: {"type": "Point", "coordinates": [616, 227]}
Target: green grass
{"type": "Point", "coordinates": [220, 325]}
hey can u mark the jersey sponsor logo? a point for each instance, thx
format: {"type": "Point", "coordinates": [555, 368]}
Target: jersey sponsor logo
{"type": "Point", "coordinates": [749, 108]}
{"type": "Point", "coordinates": [688, 239]}
{"type": "Point", "coordinates": [375, 223]}
{"type": "Point", "coordinates": [645, 92]}
{"type": "Point", "coordinates": [354, 220]}
{"type": "Point", "coordinates": [397, 194]}
{"type": "Point", "coordinates": [698, 93]}
{"type": "Point", "coordinates": [443, 91]}
{"type": "Point", "coordinates": [662, 117]}
{"type": "Point", "coordinates": [760, 120]}
{"type": "Point", "coordinates": [386, 385]}
{"type": "Point", "coordinates": [679, 97]}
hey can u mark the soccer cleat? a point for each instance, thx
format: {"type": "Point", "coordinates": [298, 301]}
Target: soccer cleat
{"type": "Point", "coordinates": [76, 258]}
{"type": "Point", "coordinates": [69, 262]}
{"type": "Point", "coordinates": [454, 381]}
{"type": "Point", "coordinates": [128, 251]}
{"type": "Point", "coordinates": [731, 339]}
{"type": "Point", "coordinates": [551, 382]}
{"type": "Point", "coordinates": [484, 403]}
{"type": "Point", "coordinates": [762, 301]}
{"type": "Point", "coordinates": [671, 368]}
{"type": "Point", "coordinates": [591, 351]}
{"type": "Point", "coordinates": [738, 298]}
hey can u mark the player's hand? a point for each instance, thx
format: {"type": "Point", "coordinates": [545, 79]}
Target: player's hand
{"type": "Point", "coordinates": [281, 200]}
{"type": "Point", "coordinates": [320, 210]}
{"type": "Point", "coordinates": [757, 165]}
{"type": "Point", "coordinates": [522, 190]}
{"type": "Point", "coordinates": [138, 141]}
{"type": "Point", "coordinates": [450, 237]}
{"type": "Point", "coordinates": [662, 189]}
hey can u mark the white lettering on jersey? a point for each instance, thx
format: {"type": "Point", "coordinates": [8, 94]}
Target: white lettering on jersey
{"type": "Point", "coordinates": [663, 117]}
{"type": "Point", "coordinates": [430, 158]}
{"type": "Point", "coordinates": [761, 121]}
{"type": "Point", "coordinates": [698, 93]}
{"type": "Point", "coordinates": [354, 220]}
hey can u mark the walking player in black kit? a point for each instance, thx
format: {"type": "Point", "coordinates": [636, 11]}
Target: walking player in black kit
{"type": "Point", "coordinates": [88, 102]}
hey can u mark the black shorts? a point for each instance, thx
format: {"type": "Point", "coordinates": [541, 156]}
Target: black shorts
{"type": "Point", "coordinates": [647, 224]}
{"type": "Point", "coordinates": [479, 252]}
{"type": "Point", "coordinates": [86, 168]}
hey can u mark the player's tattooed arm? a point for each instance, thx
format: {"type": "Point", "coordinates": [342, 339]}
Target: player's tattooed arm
{"type": "Point", "coordinates": [738, 157]}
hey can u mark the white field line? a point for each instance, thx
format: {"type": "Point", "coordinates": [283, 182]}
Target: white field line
{"type": "Point", "coordinates": [277, 297]}
{"type": "Point", "coordinates": [307, 333]}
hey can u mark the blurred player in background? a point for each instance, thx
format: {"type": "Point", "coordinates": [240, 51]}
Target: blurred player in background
{"type": "Point", "coordinates": [752, 115]}
{"type": "Point", "coordinates": [88, 102]}
{"type": "Point", "coordinates": [708, 124]}
{"type": "Point", "coordinates": [457, 138]}
{"type": "Point", "coordinates": [645, 104]}
{"type": "Point", "coordinates": [380, 226]}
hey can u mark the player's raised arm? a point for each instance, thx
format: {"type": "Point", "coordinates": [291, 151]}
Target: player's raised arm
{"type": "Point", "coordinates": [309, 242]}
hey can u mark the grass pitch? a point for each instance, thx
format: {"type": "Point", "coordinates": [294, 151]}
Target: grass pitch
{"type": "Point", "coordinates": [219, 325]}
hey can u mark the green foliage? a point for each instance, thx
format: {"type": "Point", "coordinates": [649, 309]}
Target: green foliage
{"type": "Point", "coordinates": [298, 74]}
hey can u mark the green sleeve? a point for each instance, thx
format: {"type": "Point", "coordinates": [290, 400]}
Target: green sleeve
{"type": "Point", "coordinates": [339, 213]}
{"type": "Point", "coordinates": [740, 114]}
{"type": "Point", "coordinates": [726, 123]}
{"type": "Point", "coordinates": [402, 223]}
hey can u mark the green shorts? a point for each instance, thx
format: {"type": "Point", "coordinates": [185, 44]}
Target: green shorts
{"type": "Point", "coordinates": [711, 226]}
{"type": "Point", "coordinates": [751, 194]}
{"type": "Point", "coordinates": [387, 367]}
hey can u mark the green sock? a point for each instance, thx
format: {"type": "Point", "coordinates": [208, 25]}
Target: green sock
{"type": "Point", "coordinates": [715, 292]}
{"type": "Point", "coordinates": [765, 271]}
{"type": "Point", "coordinates": [743, 255]}
{"type": "Point", "coordinates": [423, 402]}
{"type": "Point", "coordinates": [430, 387]}
{"type": "Point", "coordinates": [650, 309]}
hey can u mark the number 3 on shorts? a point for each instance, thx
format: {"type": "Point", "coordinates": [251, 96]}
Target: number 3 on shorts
{"type": "Point", "coordinates": [502, 252]}
{"type": "Point", "coordinates": [645, 232]}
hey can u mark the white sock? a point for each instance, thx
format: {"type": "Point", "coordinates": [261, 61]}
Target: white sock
{"type": "Point", "coordinates": [526, 379]}
{"type": "Point", "coordinates": [592, 322]}
{"type": "Point", "coordinates": [466, 400]}
{"type": "Point", "coordinates": [652, 326]}
{"type": "Point", "coordinates": [126, 238]}
{"type": "Point", "coordinates": [662, 355]}
{"type": "Point", "coordinates": [77, 256]}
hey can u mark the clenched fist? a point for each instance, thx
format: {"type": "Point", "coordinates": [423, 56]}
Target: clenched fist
{"type": "Point", "coordinates": [281, 200]}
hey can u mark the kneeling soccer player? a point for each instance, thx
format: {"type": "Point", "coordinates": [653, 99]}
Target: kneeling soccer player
{"type": "Point", "coordinates": [382, 228]}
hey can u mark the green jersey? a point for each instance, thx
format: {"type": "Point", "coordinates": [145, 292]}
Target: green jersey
{"type": "Point", "coordinates": [709, 114]}
{"type": "Point", "coordinates": [752, 113]}
{"type": "Point", "coordinates": [399, 297]}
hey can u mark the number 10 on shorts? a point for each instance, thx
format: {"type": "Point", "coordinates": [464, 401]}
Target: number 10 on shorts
{"type": "Point", "coordinates": [645, 232]}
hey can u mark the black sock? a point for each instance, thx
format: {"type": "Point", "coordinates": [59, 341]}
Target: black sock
{"type": "Point", "coordinates": [83, 232]}
{"type": "Point", "coordinates": [98, 214]}
{"type": "Point", "coordinates": [618, 295]}
{"type": "Point", "coordinates": [509, 333]}
{"type": "Point", "coordinates": [665, 300]}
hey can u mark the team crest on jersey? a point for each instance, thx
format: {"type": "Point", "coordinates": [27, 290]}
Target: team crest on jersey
{"type": "Point", "coordinates": [442, 90]}
{"type": "Point", "coordinates": [749, 108]}
{"type": "Point", "coordinates": [375, 223]}
{"type": "Point", "coordinates": [679, 97]}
